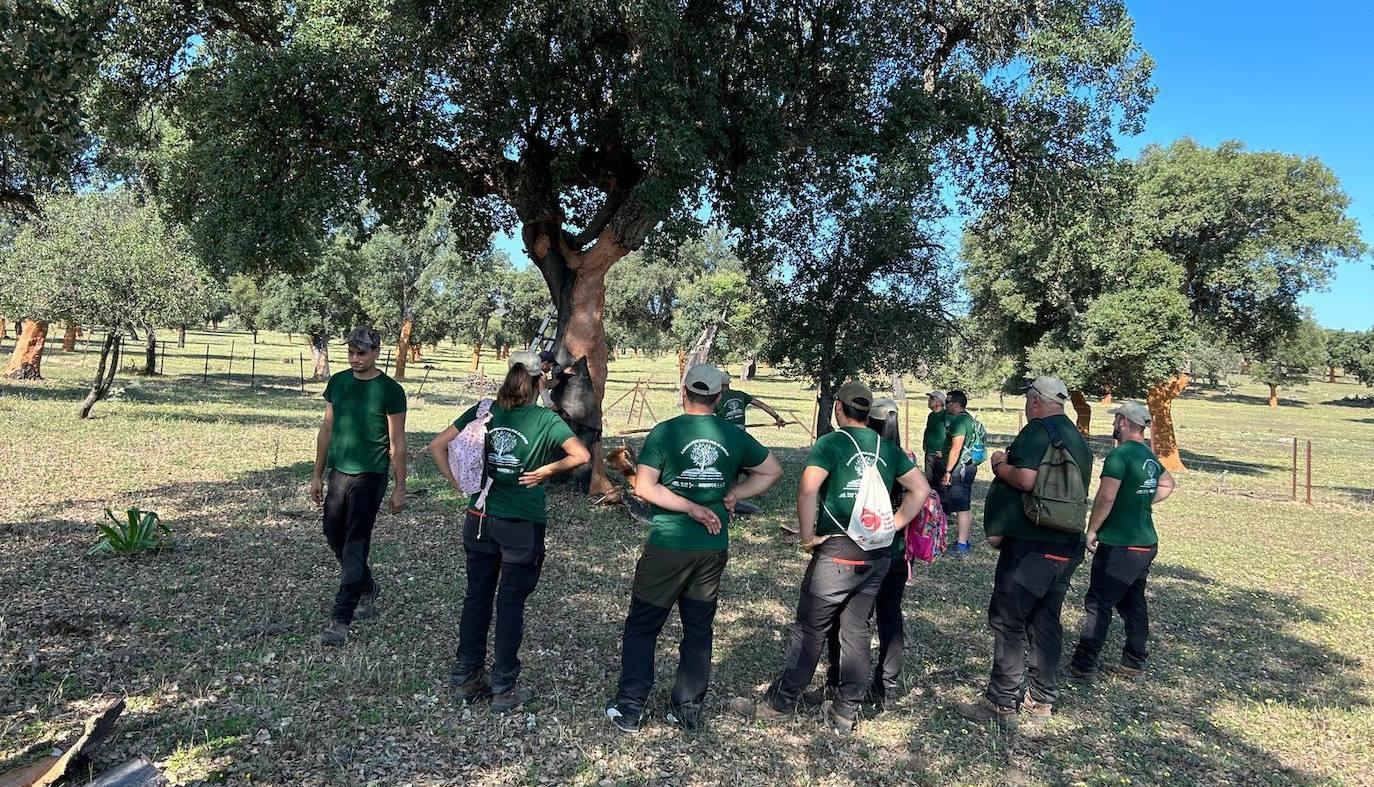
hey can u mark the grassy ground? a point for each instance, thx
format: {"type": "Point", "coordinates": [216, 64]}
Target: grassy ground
{"type": "Point", "coordinates": [1263, 637]}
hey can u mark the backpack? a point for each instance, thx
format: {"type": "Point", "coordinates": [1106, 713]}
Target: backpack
{"type": "Point", "coordinates": [467, 456]}
{"type": "Point", "coordinates": [977, 452]}
{"type": "Point", "coordinates": [871, 523]}
{"type": "Point", "coordinates": [926, 534]}
{"type": "Point", "coordinates": [1059, 500]}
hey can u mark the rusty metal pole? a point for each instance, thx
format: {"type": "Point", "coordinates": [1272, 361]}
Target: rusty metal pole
{"type": "Point", "coordinates": [1295, 468]}
{"type": "Point", "coordinates": [300, 367]}
{"type": "Point", "coordinates": [1309, 472]}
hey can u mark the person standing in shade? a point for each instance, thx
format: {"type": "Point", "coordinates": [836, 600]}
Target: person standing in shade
{"type": "Point", "coordinates": [1034, 566]}
{"type": "Point", "coordinates": [956, 481]}
{"type": "Point", "coordinates": [1121, 534]}
{"type": "Point", "coordinates": [503, 533]}
{"type": "Point", "coordinates": [362, 437]}
{"type": "Point", "coordinates": [732, 405]}
{"type": "Point", "coordinates": [842, 581]}
{"type": "Point", "coordinates": [933, 440]}
{"type": "Point", "coordinates": [687, 473]}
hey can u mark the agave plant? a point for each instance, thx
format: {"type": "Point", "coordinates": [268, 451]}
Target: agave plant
{"type": "Point", "coordinates": [142, 531]}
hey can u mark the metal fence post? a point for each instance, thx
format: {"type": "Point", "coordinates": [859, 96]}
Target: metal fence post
{"type": "Point", "coordinates": [231, 360]}
{"type": "Point", "coordinates": [1309, 472]}
{"type": "Point", "coordinates": [300, 367]}
{"type": "Point", "coordinates": [1295, 468]}
{"type": "Point", "coordinates": [253, 372]}
{"type": "Point", "coordinates": [205, 377]}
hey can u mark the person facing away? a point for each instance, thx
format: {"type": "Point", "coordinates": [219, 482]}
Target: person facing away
{"type": "Point", "coordinates": [933, 439]}
{"type": "Point", "coordinates": [959, 469]}
{"type": "Point", "coordinates": [1122, 537]}
{"type": "Point", "coordinates": [689, 474]}
{"type": "Point", "coordinates": [1034, 566]}
{"type": "Point", "coordinates": [732, 405]}
{"type": "Point", "coordinates": [887, 606]}
{"type": "Point", "coordinates": [362, 437]}
{"type": "Point", "coordinates": [503, 539]}
{"type": "Point", "coordinates": [842, 580]}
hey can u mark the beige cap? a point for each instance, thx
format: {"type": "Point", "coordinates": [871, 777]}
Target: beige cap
{"type": "Point", "coordinates": [702, 379]}
{"type": "Point", "coordinates": [856, 395]}
{"type": "Point", "coordinates": [882, 408]}
{"type": "Point", "coordinates": [1051, 388]}
{"type": "Point", "coordinates": [528, 359]}
{"type": "Point", "coordinates": [725, 377]}
{"type": "Point", "coordinates": [936, 395]}
{"type": "Point", "coordinates": [1135, 412]}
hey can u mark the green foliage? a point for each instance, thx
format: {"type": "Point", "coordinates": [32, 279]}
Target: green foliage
{"type": "Point", "coordinates": [320, 302]}
{"type": "Point", "coordinates": [462, 294]}
{"type": "Point", "coordinates": [1216, 360]}
{"type": "Point", "coordinates": [104, 259]}
{"type": "Point", "coordinates": [524, 306]}
{"type": "Point", "coordinates": [1344, 349]}
{"type": "Point", "coordinates": [139, 531]}
{"type": "Point", "coordinates": [1290, 361]}
{"type": "Point", "coordinates": [245, 301]}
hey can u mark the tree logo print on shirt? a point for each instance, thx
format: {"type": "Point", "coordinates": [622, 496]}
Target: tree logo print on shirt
{"type": "Point", "coordinates": [1151, 482]}
{"type": "Point", "coordinates": [703, 454]}
{"type": "Point", "coordinates": [733, 408]}
{"type": "Point", "coordinates": [503, 443]}
{"type": "Point", "coordinates": [857, 463]}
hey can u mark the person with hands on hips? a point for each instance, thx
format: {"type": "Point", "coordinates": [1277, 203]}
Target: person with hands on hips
{"type": "Point", "coordinates": [956, 483]}
{"type": "Point", "coordinates": [690, 475]}
{"type": "Point", "coordinates": [504, 540]}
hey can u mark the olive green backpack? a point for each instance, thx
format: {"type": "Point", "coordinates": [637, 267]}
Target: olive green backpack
{"type": "Point", "coordinates": [1059, 499]}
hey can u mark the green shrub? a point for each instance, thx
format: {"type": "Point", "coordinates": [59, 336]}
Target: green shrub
{"type": "Point", "coordinates": [143, 531]}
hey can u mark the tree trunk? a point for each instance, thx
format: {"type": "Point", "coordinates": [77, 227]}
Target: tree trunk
{"type": "Point", "coordinates": [1331, 374]}
{"type": "Point", "coordinates": [104, 373]}
{"type": "Point", "coordinates": [825, 408]}
{"type": "Point", "coordinates": [4, 328]}
{"type": "Point", "coordinates": [1106, 396]}
{"type": "Point", "coordinates": [1161, 403]}
{"type": "Point", "coordinates": [1084, 411]}
{"type": "Point", "coordinates": [1273, 397]}
{"type": "Point", "coordinates": [255, 336]}
{"type": "Point", "coordinates": [26, 362]}
{"type": "Point", "coordinates": [476, 357]}
{"type": "Point", "coordinates": [898, 387]}
{"type": "Point", "coordinates": [403, 348]}
{"type": "Point", "coordinates": [150, 354]}
{"type": "Point", "coordinates": [750, 370]}
{"type": "Point", "coordinates": [69, 337]}
{"type": "Point", "coordinates": [415, 352]}
{"type": "Point", "coordinates": [319, 354]}
{"type": "Point", "coordinates": [181, 337]}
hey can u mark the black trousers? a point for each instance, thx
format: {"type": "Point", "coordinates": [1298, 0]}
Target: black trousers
{"type": "Point", "coordinates": [504, 560]}
{"type": "Point", "coordinates": [1028, 592]}
{"type": "Point", "coordinates": [835, 593]}
{"type": "Point", "coordinates": [1118, 582]}
{"type": "Point", "coordinates": [664, 578]}
{"type": "Point", "coordinates": [887, 610]}
{"type": "Point", "coordinates": [351, 503]}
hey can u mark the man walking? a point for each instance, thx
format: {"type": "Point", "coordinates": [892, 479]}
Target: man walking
{"type": "Point", "coordinates": [1034, 567]}
{"type": "Point", "coordinates": [842, 581]}
{"type": "Point", "coordinates": [1121, 534]}
{"type": "Point", "coordinates": [687, 473]}
{"type": "Point", "coordinates": [732, 405]}
{"type": "Point", "coordinates": [362, 436]}
{"type": "Point", "coordinates": [933, 442]}
{"type": "Point", "coordinates": [956, 481]}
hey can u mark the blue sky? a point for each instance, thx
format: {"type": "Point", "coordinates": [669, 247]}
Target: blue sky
{"type": "Point", "coordinates": [1292, 77]}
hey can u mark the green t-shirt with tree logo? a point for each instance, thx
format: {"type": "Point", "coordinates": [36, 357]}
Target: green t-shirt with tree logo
{"type": "Point", "coordinates": [518, 441]}
{"type": "Point", "coordinates": [960, 425]}
{"type": "Point", "coordinates": [1131, 521]}
{"type": "Point", "coordinates": [835, 454]}
{"type": "Point", "coordinates": [698, 457]}
{"type": "Point", "coordinates": [359, 442]}
{"type": "Point", "coordinates": [1004, 512]}
{"type": "Point", "coordinates": [937, 429]}
{"type": "Point", "coordinates": [732, 405]}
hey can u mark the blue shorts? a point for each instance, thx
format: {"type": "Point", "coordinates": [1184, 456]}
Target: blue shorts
{"type": "Point", "coordinates": [958, 495]}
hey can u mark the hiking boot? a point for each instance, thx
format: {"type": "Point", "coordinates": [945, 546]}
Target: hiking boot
{"type": "Point", "coordinates": [1038, 713]}
{"type": "Point", "coordinates": [1081, 675]}
{"type": "Point", "coordinates": [838, 722]}
{"type": "Point", "coordinates": [512, 699]}
{"type": "Point", "coordinates": [761, 710]}
{"type": "Point", "coordinates": [984, 710]}
{"type": "Point", "coordinates": [1123, 671]}
{"type": "Point", "coordinates": [334, 636]}
{"type": "Point", "coordinates": [367, 605]}
{"type": "Point", "coordinates": [622, 721]}
{"type": "Point", "coordinates": [687, 717]}
{"type": "Point", "coordinates": [814, 698]}
{"type": "Point", "coordinates": [474, 689]}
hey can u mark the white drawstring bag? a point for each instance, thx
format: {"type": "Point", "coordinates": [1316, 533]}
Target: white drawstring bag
{"type": "Point", "coordinates": [871, 523]}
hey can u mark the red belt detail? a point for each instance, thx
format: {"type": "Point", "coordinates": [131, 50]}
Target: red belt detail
{"type": "Point", "coordinates": [849, 562]}
{"type": "Point", "coordinates": [1139, 549]}
{"type": "Point", "coordinates": [1057, 558]}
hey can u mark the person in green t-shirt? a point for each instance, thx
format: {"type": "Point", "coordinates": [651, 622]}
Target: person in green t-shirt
{"type": "Point", "coordinates": [503, 532]}
{"type": "Point", "coordinates": [1034, 566]}
{"type": "Point", "coordinates": [1121, 533]}
{"type": "Point", "coordinates": [732, 404]}
{"type": "Point", "coordinates": [687, 473]}
{"type": "Point", "coordinates": [362, 437]}
{"type": "Point", "coordinates": [933, 440]}
{"type": "Point", "coordinates": [955, 486]}
{"type": "Point", "coordinates": [842, 582]}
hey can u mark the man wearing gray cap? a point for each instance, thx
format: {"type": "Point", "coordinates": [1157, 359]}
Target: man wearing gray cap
{"type": "Point", "coordinates": [933, 441]}
{"type": "Point", "coordinates": [1121, 533]}
{"type": "Point", "coordinates": [363, 435]}
{"type": "Point", "coordinates": [1034, 566]}
{"type": "Point", "coordinates": [688, 471]}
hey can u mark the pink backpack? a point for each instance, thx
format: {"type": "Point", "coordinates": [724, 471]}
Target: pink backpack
{"type": "Point", "coordinates": [467, 456]}
{"type": "Point", "coordinates": [925, 536]}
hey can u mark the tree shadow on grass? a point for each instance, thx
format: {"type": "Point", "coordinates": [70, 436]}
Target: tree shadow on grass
{"type": "Point", "coordinates": [1236, 398]}
{"type": "Point", "coordinates": [1364, 402]}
